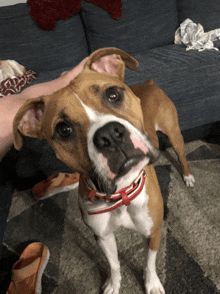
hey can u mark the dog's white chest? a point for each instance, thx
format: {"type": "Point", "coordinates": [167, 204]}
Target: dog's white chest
{"type": "Point", "coordinates": [135, 216]}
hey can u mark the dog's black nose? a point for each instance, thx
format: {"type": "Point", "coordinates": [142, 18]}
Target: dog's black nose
{"type": "Point", "coordinates": [110, 136]}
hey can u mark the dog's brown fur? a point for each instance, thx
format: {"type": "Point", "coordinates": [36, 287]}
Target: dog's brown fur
{"type": "Point", "coordinates": [145, 106]}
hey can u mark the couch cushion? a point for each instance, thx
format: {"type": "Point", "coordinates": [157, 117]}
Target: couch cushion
{"type": "Point", "coordinates": [143, 25]}
{"type": "Point", "coordinates": [22, 40]}
{"type": "Point", "coordinates": [190, 78]}
{"type": "Point", "coordinates": [205, 12]}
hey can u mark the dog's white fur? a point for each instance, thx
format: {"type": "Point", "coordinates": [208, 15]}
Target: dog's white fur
{"type": "Point", "coordinates": [135, 216]}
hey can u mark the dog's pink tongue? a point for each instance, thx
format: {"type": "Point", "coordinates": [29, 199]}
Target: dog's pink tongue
{"type": "Point", "coordinates": [138, 145]}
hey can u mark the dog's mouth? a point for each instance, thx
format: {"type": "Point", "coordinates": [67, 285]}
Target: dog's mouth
{"type": "Point", "coordinates": [128, 165]}
{"type": "Point", "coordinates": [108, 186]}
{"type": "Point", "coordinates": [103, 185]}
{"type": "Point", "coordinates": [118, 150]}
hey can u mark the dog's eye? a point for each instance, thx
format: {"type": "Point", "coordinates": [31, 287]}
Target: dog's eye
{"type": "Point", "coordinates": [64, 130]}
{"type": "Point", "coordinates": [114, 94]}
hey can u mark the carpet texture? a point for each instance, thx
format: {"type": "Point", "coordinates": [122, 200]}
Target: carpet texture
{"type": "Point", "coordinates": [189, 257]}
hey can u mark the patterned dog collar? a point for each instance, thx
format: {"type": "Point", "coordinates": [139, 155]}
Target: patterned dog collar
{"type": "Point", "coordinates": [100, 203]}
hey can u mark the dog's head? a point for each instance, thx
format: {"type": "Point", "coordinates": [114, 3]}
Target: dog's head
{"type": "Point", "coordinates": [94, 125]}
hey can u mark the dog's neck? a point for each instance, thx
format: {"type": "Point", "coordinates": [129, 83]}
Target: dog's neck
{"type": "Point", "coordinates": [135, 187]}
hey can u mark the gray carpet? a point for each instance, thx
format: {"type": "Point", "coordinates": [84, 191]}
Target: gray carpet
{"type": "Point", "coordinates": [189, 256]}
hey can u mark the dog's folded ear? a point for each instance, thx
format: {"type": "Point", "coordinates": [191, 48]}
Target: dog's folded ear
{"type": "Point", "coordinates": [114, 64]}
{"type": "Point", "coordinates": [28, 121]}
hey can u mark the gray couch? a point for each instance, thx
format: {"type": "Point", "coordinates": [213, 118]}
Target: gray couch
{"type": "Point", "coordinates": [146, 30]}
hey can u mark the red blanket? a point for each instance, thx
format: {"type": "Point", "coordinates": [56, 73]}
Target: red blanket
{"type": "Point", "coordinates": [46, 12]}
{"type": "Point", "coordinates": [12, 86]}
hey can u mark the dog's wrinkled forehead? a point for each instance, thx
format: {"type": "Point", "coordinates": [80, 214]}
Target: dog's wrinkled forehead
{"type": "Point", "coordinates": [110, 96]}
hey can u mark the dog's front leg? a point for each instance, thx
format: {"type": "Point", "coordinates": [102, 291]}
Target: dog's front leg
{"type": "Point", "coordinates": [108, 245]}
{"type": "Point", "coordinates": [152, 282]}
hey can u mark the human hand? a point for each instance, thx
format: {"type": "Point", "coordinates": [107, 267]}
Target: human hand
{"type": "Point", "coordinates": [75, 71]}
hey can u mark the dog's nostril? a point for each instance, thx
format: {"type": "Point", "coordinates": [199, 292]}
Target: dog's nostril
{"type": "Point", "coordinates": [109, 136]}
{"type": "Point", "coordinates": [118, 133]}
{"type": "Point", "coordinates": [104, 142]}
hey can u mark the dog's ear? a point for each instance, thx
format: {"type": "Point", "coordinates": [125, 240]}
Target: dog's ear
{"type": "Point", "coordinates": [28, 121]}
{"type": "Point", "coordinates": [116, 63]}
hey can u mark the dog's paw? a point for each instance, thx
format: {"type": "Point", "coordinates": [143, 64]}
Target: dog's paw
{"type": "Point", "coordinates": [189, 180]}
{"type": "Point", "coordinates": [153, 284]}
{"type": "Point", "coordinates": [111, 287]}
{"type": "Point", "coordinates": [156, 290]}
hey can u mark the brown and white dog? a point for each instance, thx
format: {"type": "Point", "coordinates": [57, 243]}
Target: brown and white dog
{"type": "Point", "coordinates": [10, 69]}
{"type": "Point", "coordinates": [104, 130]}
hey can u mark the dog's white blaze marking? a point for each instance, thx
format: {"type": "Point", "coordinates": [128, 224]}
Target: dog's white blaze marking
{"type": "Point", "coordinates": [93, 116]}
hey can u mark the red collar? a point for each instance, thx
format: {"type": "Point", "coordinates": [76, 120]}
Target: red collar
{"type": "Point", "coordinates": [123, 196]}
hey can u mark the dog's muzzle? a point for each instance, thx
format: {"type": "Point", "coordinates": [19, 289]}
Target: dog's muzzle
{"type": "Point", "coordinates": [115, 143]}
